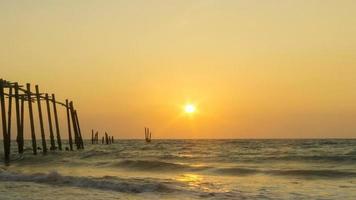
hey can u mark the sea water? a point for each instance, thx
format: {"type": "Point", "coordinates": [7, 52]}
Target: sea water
{"type": "Point", "coordinates": [185, 169]}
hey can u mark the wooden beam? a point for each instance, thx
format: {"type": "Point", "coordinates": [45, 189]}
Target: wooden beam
{"type": "Point", "coordinates": [69, 127]}
{"type": "Point", "coordinates": [49, 116]}
{"type": "Point", "coordinates": [43, 136]}
{"type": "Point", "coordinates": [56, 122]}
{"type": "Point", "coordinates": [33, 133]}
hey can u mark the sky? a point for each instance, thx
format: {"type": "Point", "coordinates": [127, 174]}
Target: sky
{"type": "Point", "coordinates": [253, 69]}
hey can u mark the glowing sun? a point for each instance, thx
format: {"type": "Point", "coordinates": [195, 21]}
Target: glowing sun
{"type": "Point", "coordinates": [189, 108]}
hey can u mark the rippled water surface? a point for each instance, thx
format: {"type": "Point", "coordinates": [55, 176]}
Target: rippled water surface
{"type": "Point", "coordinates": [186, 169]}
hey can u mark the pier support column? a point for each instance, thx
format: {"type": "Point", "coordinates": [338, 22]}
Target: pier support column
{"type": "Point", "coordinates": [79, 131]}
{"type": "Point", "coordinates": [59, 141]}
{"type": "Point", "coordinates": [75, 127]}
{"type": "Point", "coordinates": [9, 115]}
{"type": "Point", "coordinates": [51, 135]}
{"type": "Point", "coordinates": [19, 138]}
{"type": "Point", "coordinates": [43, 136]}
{"type": "Point", "coordinates": [69, 127]}
{"type": "Point", "coordinates": [4, 125]}
{"type": "Point", "coordinates": [33, 133]}
{"type": "Point", "coordinates": [22, 124]}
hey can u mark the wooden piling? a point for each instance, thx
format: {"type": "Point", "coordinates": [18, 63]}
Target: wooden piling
{"type": "Point", "coordinates": [92, 136]}
{"type": "Point", "coordinates": [33, 134]}
{"type": "Point", "coordinates": [79, 130]}
{"type": "Point", "coordinates": [43, 136]}
{"type": "Point", "coordinates": [59, 141]}
{"type": "Point", "coordinates": [69, 127]}
{"type": "Point", "coordinates": [9, 112]}
{"type": "Point", "coordinates": [106, 138]}
{"type": "Point", "coordinates": [4, 125]}
{"type": "Point", "coordinates": [49, 116]}
{"type": "Point", "coordinates": [112, 139]}
{"type": "Point", "coordinates": [19, 138]}
{"type": "Point", "coordinates": [75, 127]}
{"type": "Point", "coordinates": [95, 137]}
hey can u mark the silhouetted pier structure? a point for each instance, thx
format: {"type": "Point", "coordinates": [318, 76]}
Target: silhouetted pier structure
{"type": "Point", "coordinates": [21, 94]}
{"type": "Point", "coordinates": [148, 135]}
{"type": "Point", "coordinates": [106, 139]}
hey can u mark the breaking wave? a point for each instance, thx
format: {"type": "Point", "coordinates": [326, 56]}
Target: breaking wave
{"type": "Point", "coordinates": [104, 183]}
{"type": "Point", "coordinates": [236, 171]}
{"type": "Point", "coordinates": [155, 165]}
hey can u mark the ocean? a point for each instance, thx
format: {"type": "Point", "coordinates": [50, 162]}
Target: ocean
{"type": "Point", "coordinates": [186, 169]}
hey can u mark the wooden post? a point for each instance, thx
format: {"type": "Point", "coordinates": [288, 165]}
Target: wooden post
{"type": "Point", "coordinates": [112, 139]}
{"type": "Point", "coordinates": [79, 131]}
{"type": "Point", "coordinates": [4, 125]}
{"type": "Point", "coordinates": [33, 134]}
{"type": "Point", "coordinates": [9, 119]}
{"type": "Point", "coordinates": [56, 122]}
{"type": "Point", "coordinates": [102, 140]}
{"type": "Point", "coordinates": [75, 128]}
{"type": "Point", "coordinates": [106, 138]}
{"type": "Point", "coordinates": [43, 137]}
{"type": "Point", "coordinates": [49, 116]}
{"type": "Point", "coordinates": [19, 138]}
{"type": "Point", "coordinates": [69, 127]}
{"type": "Point", "coordinates": [92, 136]}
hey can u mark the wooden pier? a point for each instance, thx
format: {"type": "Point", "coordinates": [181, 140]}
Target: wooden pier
{"type": "Point", "coordinates": [21, 94]}
{"type": "Point", "coordinates": [106, 139]}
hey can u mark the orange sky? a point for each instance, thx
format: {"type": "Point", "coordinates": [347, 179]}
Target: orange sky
{"type": "Point", "coordinates": [255, 69]}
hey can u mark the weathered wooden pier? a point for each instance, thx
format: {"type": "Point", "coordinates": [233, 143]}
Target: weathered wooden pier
{"type": "Point", "coordinates": [21, 94]}
{"type": "Point", "coordinates": [106, 139]}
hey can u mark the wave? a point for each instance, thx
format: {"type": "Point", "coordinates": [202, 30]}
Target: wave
{"type": "Point", "coordinates": [314, 173]}
{"type": "Point", "coordinates": [104, 183]}
{"type": "Point", "coordinates": [346, 158]}
{"type": "Point", "coordinates": [155, 165]}
{"type": "Point", "coordinates": [238, 171]}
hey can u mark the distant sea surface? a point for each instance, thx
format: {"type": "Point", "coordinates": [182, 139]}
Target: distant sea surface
{"type": "Point", "coordinates": [185, 169]}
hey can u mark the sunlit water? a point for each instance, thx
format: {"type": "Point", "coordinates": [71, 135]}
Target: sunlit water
{"type": "Point", "coordinates": [186, 169]}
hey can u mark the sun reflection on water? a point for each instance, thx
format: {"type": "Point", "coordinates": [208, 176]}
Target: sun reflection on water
{"type": "Point", "coordinates": [191, 179]}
